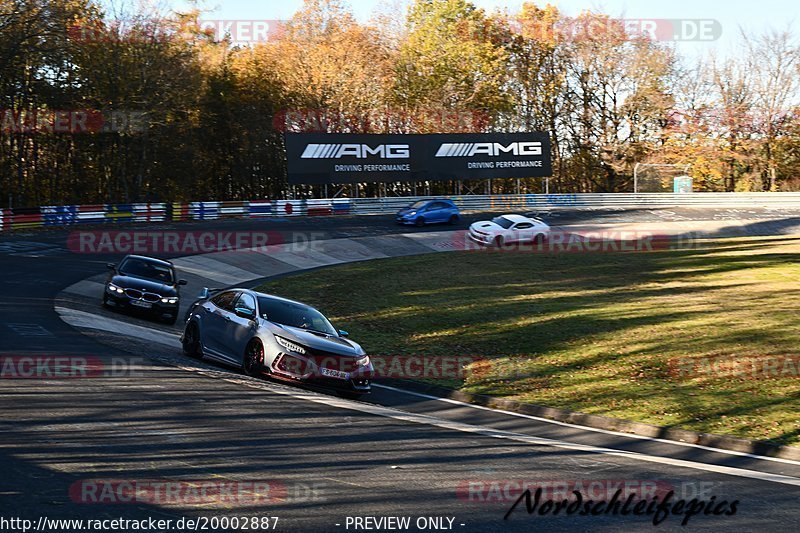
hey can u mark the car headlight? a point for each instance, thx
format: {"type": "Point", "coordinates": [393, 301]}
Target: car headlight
{"type": "Point", "coordinates": [363, 361]}
{"type": "Point", "coordinates": [114, 288]}
{"type": "Point", "coordinates": [170, 300]}
{"type": "Point", "coordinates": [291, 346]}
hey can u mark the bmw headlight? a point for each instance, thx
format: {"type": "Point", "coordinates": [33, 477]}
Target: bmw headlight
{"type": "Point", "coordinates": [289, 345]}
{"type": "Point", "coordinates": [363, 361]}
{"type": "Point", "coordinates": [170, 300]}
{"type": "Point", "coordinates": [114, 288]}
{"type": "Point", "coordinates": [411, 214]}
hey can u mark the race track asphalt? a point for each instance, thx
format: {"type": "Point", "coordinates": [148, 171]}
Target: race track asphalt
{"type": "Point", "coordinates": [166, 417]}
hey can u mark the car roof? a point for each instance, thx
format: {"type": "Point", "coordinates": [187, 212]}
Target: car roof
{"type": "Point", "coordinates": [152, 259]}
{"type": "Point", "coordinates": [272, 296]}
{"type": "Point", "coordinates": [516, 218]}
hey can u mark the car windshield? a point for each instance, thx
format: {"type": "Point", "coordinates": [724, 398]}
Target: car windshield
{"type": "Point", "coordinates": [294, 314]}
{"type": "Point", "coordinates": [142, 268]}
{"type": "Point", "coordinates": [418, 205]}
{"type": "Point", "coordinates": [503, 222]}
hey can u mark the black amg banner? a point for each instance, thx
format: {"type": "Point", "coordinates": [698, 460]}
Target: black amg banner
{"type": "Point", "coordinates": [349, 158]}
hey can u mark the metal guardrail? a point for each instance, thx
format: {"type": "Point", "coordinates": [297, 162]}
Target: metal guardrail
{"type": "Point", "coordinates": [572, 201]}
{"type": "Point", "coordinates": [22, 218]}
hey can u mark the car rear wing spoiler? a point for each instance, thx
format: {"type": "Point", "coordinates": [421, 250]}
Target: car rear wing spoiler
{"type": "Point", "coordinates": [207, 292]}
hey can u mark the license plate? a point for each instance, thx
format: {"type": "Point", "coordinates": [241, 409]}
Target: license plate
{"type": "Point", "coordinates": [139, 303]}
{"type": "Point", "coordinates": [338, 374]}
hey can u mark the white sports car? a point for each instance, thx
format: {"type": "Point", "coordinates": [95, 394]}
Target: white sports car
{"type": "Point", "coordinates": [507, 229]}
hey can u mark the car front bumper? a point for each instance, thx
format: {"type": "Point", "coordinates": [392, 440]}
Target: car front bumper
{"type": "Point", "coordinates": [481, 239]}
{"type": "Point", "coordinates": [159, 309]}
{"type": "Point", "coordinates": [297, 368]}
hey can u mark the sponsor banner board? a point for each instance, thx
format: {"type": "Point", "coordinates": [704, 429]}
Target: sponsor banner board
{"type": "Point", "coordinates": [352, 158]}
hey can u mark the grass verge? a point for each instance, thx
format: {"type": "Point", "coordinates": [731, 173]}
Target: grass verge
{"type": "Point", "coordinates": [703, 339]}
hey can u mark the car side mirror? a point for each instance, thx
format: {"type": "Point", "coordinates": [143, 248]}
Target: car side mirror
{"type": "Point", "coordinates": [182, 282]}
{"type": "Point", "coordinates": [244, 312]}
{"type": "Point", "coordinates": [343, 333]}
{"type": "Point", "coordinates": [111, 266]}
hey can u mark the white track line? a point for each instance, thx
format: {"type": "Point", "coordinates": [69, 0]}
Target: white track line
{"type": "Point", "coordinates": [596, 430]}
{"type": "Point", "coordinates": [428, 420]}
{"type": "Point", "coordinates": [101, 322]}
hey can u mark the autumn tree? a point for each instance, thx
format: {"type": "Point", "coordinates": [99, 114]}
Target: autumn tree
{"type": "Point", "coordinates": [451, 60]}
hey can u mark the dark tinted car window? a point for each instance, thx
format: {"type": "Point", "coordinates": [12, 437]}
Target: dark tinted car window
{"type": "Point", "coordinates": [523, 225]}
{"type": "Point", "coordinates": [225, 300]}
{"type": "Point", "coordinates": [502, 222]}
{"type": "Point", "coordinates": [294, 314]}
{"type": "Point", "coordinates": [142, 268]}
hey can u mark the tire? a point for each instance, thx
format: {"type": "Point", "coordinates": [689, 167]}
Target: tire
{"type": "Point", "coordinates": [419, 222]}
{"type": "Point", "coordinates": [453, 220]}
{"type": "Point", "coordinates": [539, 239]}
{"type": "Point", "coordinates": [498, 242]}
{"type": "Point", "coordinates": [171, 321]}
{"type": "Point", "coordinates": [253, 360]}
{"type": "Point", "coordinates": [191, 341]}
{"type": "Point", "coordinates": [105, 302]}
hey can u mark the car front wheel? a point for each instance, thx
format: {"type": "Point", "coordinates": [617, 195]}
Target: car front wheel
{"type": "Point", "coordinates": [253, 362]}
{"type": "Point", "coordinates": [191, 340]}
{"type": "Point", "coordinates": [453, 219]}
{"type": "Point", "coordinates": [419, 222]}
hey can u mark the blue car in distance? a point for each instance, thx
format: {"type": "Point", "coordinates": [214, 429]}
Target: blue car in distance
{"type": "Point", "coordinates": [436, 211]}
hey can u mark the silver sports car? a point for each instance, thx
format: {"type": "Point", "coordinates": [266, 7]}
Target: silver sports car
{"type": "Point", "coordinates": [268, 335]}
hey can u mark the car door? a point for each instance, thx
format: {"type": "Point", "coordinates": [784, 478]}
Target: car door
{"type": "Point", "coordinates": [449, 210]}
{"type": "Point", "coordinates": [434, 213]}
{"type": "Point", "coordinates": [239, 330]}
{"type": "Point", "coordinates": [523, 231]}
{"type": "Point", "coordinates": [215, 319]}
